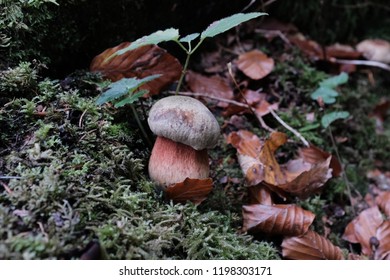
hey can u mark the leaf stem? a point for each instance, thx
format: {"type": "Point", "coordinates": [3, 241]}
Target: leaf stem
{"type": "Point", "coordinates": [141, 127]}
{"type": "Point", "coordinates": [183, 73]}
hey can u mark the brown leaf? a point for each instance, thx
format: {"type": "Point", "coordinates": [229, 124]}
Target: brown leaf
{"type": "Point", "coordinates": [141, 62]}
{"type": "Point", "coordinates": [310, 246]}
{"type": "Point", "coordinates": [258, 163]}
{"type": "Point", "coordinates": [259, 194]}
{"type": "Point", "coordinates": [315, 155]}
{"type": "Point", "coordinates": [194, 190]}
{"type": "Point", "coordinates": [383, 201]}
{"type": "Point", "coordinates": [255, 64]}
{"type": "Point", "coordinates": [309, 182]}
{"type": "Point", "coordinates": [309, 47]}
{"type": "Point", "coordinates": [383, 235]}
{"type": "Point", "coordinates": [273, 172]}
{"type": "Point", "coordinates": [375, 49]}
{"type": "Point", "coordinates": [283, 219]}
{"type": "Point", "coordinates": [381, 179]}
{"type": "Point", "coordinates": [214, 86]}
{"type": "Point", "coordinates": [342, 51]}
{"type": "Point", "coordinates": [363, 228]}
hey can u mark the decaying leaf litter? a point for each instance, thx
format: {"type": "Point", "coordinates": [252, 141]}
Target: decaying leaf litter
{"type": "Point", "coordinates": [255, 109]}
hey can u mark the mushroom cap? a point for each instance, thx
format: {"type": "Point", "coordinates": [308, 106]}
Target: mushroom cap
{"type": "Point", "coordinates": [185, 120]}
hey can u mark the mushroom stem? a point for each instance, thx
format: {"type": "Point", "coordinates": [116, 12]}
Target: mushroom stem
{"type": "Point", "coordinates": [172, 162]}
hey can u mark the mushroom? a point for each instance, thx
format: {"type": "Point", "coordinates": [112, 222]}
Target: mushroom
{"type": "Point", "coordinates": [185, 129]}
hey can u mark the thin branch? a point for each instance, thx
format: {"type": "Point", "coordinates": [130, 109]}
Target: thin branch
{"type": "Point", "coordinates": [378, 64]}
{"type": "Point", "coordinates": [296, 133]}
{"type": "Point", "coordinates": [5, 186]}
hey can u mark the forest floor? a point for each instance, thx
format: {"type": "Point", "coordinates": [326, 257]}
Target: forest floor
{"type": "Point", "coordinates": [74, 181]}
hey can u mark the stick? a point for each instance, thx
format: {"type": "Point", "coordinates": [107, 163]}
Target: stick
{"type": "Point", "coordinates": [378, 64]}
{"type": "Point", "coordinates": [296, 133]}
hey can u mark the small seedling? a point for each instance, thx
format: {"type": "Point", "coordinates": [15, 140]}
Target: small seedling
{"type": "Point", "coordinates": [126, 88]}
{"type": "Point", "coordinates": [327, 93]}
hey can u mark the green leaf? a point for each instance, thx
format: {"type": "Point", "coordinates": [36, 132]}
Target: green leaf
{"type": "Point", "coordinates": [170, 34]}
{"type": "Point", "coordinates": [130, 99]}
{"type": "Point", "coordinates": [327, 119]}
{"type": "Point", "coordinates": [122, 87]}
{"type": "Point", "coordinates": [227, 23]}
{"type": "Point", "coordinates": [326, 94]}
{"type": "Point", "coordinates": [335, 81]}
{"type": "Point", "coordinates": [189, 38]}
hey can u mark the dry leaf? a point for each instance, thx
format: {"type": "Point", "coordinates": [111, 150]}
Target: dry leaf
{"type": "Point", "coordinates": [342, 51]}
{"type": "Point", "coordinates": [315, 155]}
{"type": "Point", "coordinates": [383, 235]}
{"type": "Point", "coordinates": [255, 64]}
{"type": "Point", "coordinates": [259, 194]}
{"type": "Point", "coordinates": [309, 47]}
{"type": "Point", "coordinates": [310, 246]}
{"type": "Point", "coordinates": [381, 179]}
{"type": "Point", "coordinates": [214, 86]}
{"type": "Point", "coordinates": [309, 182]}
{"type": "Point", "coordinates": [194, 190]}
{"type": "Point", "coordinates": [363, 228]}
{"type": "Point", "coordinates": [258, 163]}
{"type": "Point", "coordinates": [286, 219]}
{"type": "Point", "coordinates": [141, 62]}
{"type": "Point", "coordinates": [375, 49]}
{"type": "Point", "coordinates": [383, 201]}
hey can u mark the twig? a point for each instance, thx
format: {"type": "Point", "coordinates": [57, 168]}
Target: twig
{"type": "Point", "coordinates": [378, 64]}
{"type": "Point", "coordinates": [205, 95]}
{"type": "Point", "coordinates": [141, 127]}
{"type": "Point", "coordinates": [81, 118]}
{"type": "Point", "coordinates": [9, 177]}
{"type": "Point", "coordinates": [296, 133]}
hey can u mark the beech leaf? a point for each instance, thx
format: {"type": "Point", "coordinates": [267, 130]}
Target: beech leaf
{"type": "Point", "coordinates": [194, 190]}
{"type": "Point", "coordinates": [383, 201]}
{"type": "Point", "coordinates": [255, 64]}
{"type": "Point", "coordinates": [284, 219]}
{"type": "Point", "coordinates": [227, 23]}
{"type": "Point", "coordinates": [363, 228]}
{"type": "Point", "coordinates": [383, 235]}
{"type": "Point", "coordinates": [139, 63]}
{"type": "Point", "coordinates": [310, 246]}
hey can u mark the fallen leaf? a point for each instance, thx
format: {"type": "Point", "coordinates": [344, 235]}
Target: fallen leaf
{"type": "Point", "coordinates": [310, 246]}
{"type": "Point", "coordinates": [259, 194]}
{"type": "Point", "coordinates": [194, 190]}
{"type": "Point", "coordinates": [342, 51]}
{"type": "Point", "coordinates": [375, 49]}
{"type": "Point", "coordinates": [383, 201]}
{"type": "Point", "coordinates": [309, 182]}
{"type": "Point", "coordinates": [309, 47]}
{"type": "Point", "coordinates": [380, 113]}
{"type": "Point", "coordinates": [383, 235]}
{"type": "Point", "coordinates": [255, 64]}
{"type": "Point", "coordinates": [315, 155]}
{"type": "Point", "coordinates": [141, 62]}
{"type": "Point", "coordinates": [363, 228]}
{"type": "Point", "coordinates": [213, 86]}
{"type": "Point", "coordinates": [258, 162]}
{"type": "Point", "coordinates": [284, 219]}
{"type": "Point", "coordinates": [381, 179]}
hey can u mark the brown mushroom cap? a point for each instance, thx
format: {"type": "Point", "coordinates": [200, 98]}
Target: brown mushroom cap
{"type": "Point", "coordinates": [185, 120]}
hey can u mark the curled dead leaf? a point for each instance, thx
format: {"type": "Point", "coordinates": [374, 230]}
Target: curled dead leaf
{"type": "Point", "coordinates": [259, 194]}
{"type": "Point", "coordinates": [363, 228]}
{"type": "Point", "coordinates": [315, 155]}
{"type": "Point", "coordinates": [282, 219]}
{"type": "Point", "coordinates": [194, 190]}
{"type": "Point", "coordinates": [140, 63]}
{"type": "Point", "coordinates": [258, 162]}
{"type": "Point", "coordinates": [310, 246]}
{"type": "Point", "coordinates": [255, 64]}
